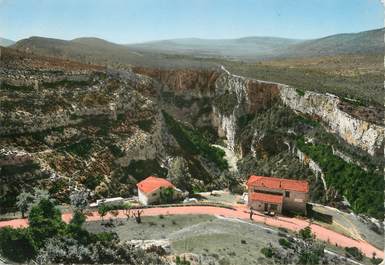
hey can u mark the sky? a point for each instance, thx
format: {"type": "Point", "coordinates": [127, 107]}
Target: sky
{"type": "Point", "coordinates": [132, 21]}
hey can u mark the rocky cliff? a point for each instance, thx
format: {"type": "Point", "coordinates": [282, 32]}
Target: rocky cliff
{"type": "Point", "coordinates": [234, 96]}
{"type": "Point", "coordinates": [354, 130]}
{"type": "Point", "coordinates": [106, 129]}
{"type": "Point", "coordinates": [254, 95]}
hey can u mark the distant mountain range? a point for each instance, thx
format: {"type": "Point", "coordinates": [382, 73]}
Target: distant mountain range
{"type": "Point", "coordinates": [6, 42]}
{"type": "Point", "coordinates": [371, 41]}
{"type": "Point", "coordinates": [256, 47]}
{"type": "Point", "coordinates": [249, 49]}
{"type": "Point", "coordinates": [269, 47]}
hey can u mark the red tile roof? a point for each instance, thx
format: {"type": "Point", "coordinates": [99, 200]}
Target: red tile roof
{"type": "Point", "coordinates": [278, 183]}
{"type": "Point", "coordinates": [152, 183]}
{"type": "Point", "coordinates": [263, 197]}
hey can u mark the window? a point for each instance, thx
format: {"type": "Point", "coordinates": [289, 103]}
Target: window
{"type": "Point", "coordinates": [273, 207]}
{"type": "Point", "coordinates": [287, 194]}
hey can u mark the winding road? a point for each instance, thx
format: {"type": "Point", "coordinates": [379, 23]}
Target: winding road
{"type": "Point", "coordinates": [240, 212]}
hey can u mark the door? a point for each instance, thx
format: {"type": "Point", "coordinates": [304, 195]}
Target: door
{"type": "Point", "coordinates": [266, 207]}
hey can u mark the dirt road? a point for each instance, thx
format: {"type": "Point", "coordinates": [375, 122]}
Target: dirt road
{"type": "Point", "coordinates": [240, 212]}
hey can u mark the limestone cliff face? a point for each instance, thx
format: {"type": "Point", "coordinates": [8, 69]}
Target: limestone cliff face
{"type": "Point", "coordinates": [253, 95]}
{"type": "Point", "coordinates": [237, 96]}
{"type": "Point", "coordinates": [355, 131]}
{"type": "Point", "coordinates": [250, 95]}
{"type": "Point", "coordinates": [186, 82]}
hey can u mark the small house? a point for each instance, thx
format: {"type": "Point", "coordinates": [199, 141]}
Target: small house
{"type": "Point", "coordinates": [150, 189]}
{"type": "Point", "coordinates": [271, 194]}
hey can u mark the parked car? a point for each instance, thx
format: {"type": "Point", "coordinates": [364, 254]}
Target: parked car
{"type": "Point", "coordinates": [190, 200]}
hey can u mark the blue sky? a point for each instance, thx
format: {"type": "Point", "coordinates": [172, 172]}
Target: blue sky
{"type": "Point", "coordinates": [129, 21]}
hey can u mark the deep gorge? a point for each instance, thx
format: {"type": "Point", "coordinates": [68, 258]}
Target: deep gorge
{"type": "Point", "coordinates": [106, 129]}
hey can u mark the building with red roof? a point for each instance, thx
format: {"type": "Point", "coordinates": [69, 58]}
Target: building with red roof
{"type": "Point", "coordinates": [271, 194]}
{"type": "Point", "coordinates": [149, 189]}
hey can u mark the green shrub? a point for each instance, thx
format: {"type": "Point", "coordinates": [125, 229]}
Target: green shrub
{"type": "Point", "coordinates": [300, 92]}
{"type": "Point", "coordinates": [308, 257]}
{"type": "Point", "coordinates": [268, 252]}
{"type": "Point", "coordinates": [16, 244]}
{"type": "Point", "coordinates": [354, 253]}
{"type": "Point", "coordinates": [93, 181]}
{"type": "Point", "coordinates": [305, 233]}
{"type": "Point", "coordinates": [167, 195]}
{"type": "Point", "coordinates": [284, 243]}
{"type": "Point", "coordinates": [146, 125]}
{"type": "Point", "coordinates": [82, 148]}
{"type": "Point", "coordinates": [45, 222]}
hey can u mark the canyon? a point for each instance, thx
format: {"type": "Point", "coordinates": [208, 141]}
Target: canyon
{"type": "Point", "coordinates": [66, 124]}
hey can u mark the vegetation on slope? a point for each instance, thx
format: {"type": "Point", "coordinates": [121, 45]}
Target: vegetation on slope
{"type": "Point", "coordinates": [364, 190]}
{"type": "Point", "coordinates": [194, 143]}
{"type": "Point", "coordinates": [49, 240]}
{"type": "Point", "coordinates": [279, 125]}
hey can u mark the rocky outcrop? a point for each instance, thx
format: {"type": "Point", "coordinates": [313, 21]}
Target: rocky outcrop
{"type": "Point", "coordinates": [250, 95]}
{"type": "Point", "coordinates": [325, 107]}
{"type": "Point", "coordinates": [13, 157]}
{"type": "Point", "coordinates": [142, 145]}
{"type": "Point", "coordinates": [306, 160]}
{"type": "Point", "coordinates": [187, 82]}
{"type": "Point", "coordinates": [254, 95]}
{"type": "Point", "coordinates": [240, 96]}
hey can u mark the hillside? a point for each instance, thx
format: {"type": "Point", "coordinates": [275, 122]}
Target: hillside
{"type": "Point", "coordinates": [85, 49]}
{"type": "Point", "coordinates": [247, 49]}
{"type": "Point", "coordinates": [257, 48]}
{"type": "Point", "coordinates": [354, 71]}
{"type": "Point", "coordinates": [106, 129]}
{"type": "Point", "coordinates": [6, 42]}
{"type": "Point", "coordinates": [98, 51]}
{"type": "Point", "coordinates": [243, 48]}
{"type": "Point", "coordinates": [366, 42]}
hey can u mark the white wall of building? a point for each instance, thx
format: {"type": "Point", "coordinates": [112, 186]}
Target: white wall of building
{"type": "Point", "coordinates": [154, 196]}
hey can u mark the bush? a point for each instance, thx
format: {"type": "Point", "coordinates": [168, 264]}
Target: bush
{"type": "Point", "coordinates": [93, 181]}
{"type": "Point", "coordinates": [284, 243]}
{"type": "Point", "coordinates": [354, 253]}
{"type": "Point", "coordinates": [308, 257]}
{"type": "Point", "coordinates": [167, 195]}
{"type": "Point", "coordinates": [16, 244]}
{"type": "Point", "coordinates": [305, 233]}
{"type": "Point", "coordinates": [268, 252]}
{"type": "Point", "coordinates": [45, 222]}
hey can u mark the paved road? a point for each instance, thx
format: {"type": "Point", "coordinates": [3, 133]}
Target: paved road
{"type": "Point", "coordinates": [241, 212]}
